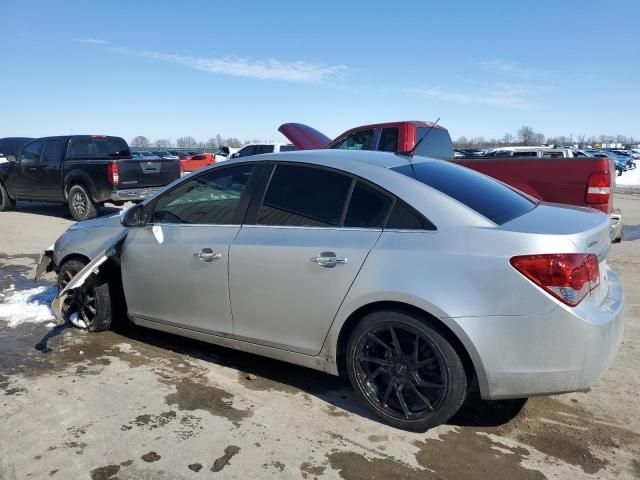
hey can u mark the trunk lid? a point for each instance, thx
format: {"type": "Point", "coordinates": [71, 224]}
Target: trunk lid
{"type": "Point", "coordinates": [304, 137]}
{"type": "Point", "coordinates": [147, 172]}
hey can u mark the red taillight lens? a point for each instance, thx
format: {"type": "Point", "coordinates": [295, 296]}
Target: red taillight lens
{"type": "Point", "coordinates": [567, 276]}
{"type": "Point", "coordinates": [112, 173]}
{"type": "Point", "coordinates": [598, 188]}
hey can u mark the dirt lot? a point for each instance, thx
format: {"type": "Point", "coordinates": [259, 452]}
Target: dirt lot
{"type": "Point", "coordinates": [139, 404]}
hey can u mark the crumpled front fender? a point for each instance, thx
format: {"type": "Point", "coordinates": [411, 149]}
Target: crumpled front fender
{"type": "Point", "coordinates": [92, 268]}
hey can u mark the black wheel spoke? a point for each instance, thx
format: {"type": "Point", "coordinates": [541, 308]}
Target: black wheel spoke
{"type": "Point", "coordinates": [426, 363]}
{"type": "Point", "coordinates": [396, 343]}
{"type": "Point", "coordinates": [416, 348]}
{"type": "Point", "coordinates": [387, 393]}
{"type": "Point", "coordinates": [372, 376]}
{"type": "Point", "coordinates": [403, 402]}
{"type": "Point", "coordinates": [378, 361]}
{"type": "Point", "coordinates": [372, 336]}
{"type": "Point", "coordinates": [419, 394]}
{"type": "Point", "coordinates": [425, 384]}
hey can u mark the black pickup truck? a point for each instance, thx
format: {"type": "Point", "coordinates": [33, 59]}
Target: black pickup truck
{"type": "Point", "coordinates": [83, 171]}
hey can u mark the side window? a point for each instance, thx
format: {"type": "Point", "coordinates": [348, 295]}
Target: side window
{"type": "Point", "coordinates": [389, 140]}
{"type": "Point", "coordinates": [31, 154]}
{"type": "Point", "coordinates": [265, 149]}
{"type": "Point", "coordinates": [88, 147]}
{"type": "Point", "coordinates": [53, 151]}
{"type": "Point", "coordinates": [437, 144]}
{"type": "Point", "coordinates": [198, 157]}
{"type": "Point", "coordinates": [367, 208]}
{"type": "Point", "coordinates": [248, 150]}
{"type": "Point", "coordinates": [405, 217]}
{"type": "Point", "coordinates": [212, 198]}
{"type": "Point", "coordinates": [304, 196]}
{"type": "Point", "coordinates": [360, 140]}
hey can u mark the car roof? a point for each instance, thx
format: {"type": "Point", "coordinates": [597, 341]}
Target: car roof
{"type": "Point", "coordinates": [331, 156]}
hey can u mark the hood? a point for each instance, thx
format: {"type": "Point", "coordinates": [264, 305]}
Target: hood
{"type": "Point", "coordinates": [108, 221]}
{"type": "Point", "coordinates": [304, 137]}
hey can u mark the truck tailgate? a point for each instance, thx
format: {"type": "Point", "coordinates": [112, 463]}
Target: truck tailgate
{"type": "Point", "coordinates": [140, 173]}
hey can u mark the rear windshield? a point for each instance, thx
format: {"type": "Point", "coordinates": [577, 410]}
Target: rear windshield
{"type": "Point", "coordinates": [488, 197]}
{"type": "Point", "coordinates": [437, 143]}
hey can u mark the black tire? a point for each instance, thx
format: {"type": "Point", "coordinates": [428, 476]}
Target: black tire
{"type": "Point", "coordinates": [80, 204]}
{"type": "Point", "coordinates": [619, 171]}
{"type": "Point", "coordinates": [91, 302]}
{"type": "Point", "coordinates": [423, 389]}
{"type": "Point", "coordinates": [6, 202]}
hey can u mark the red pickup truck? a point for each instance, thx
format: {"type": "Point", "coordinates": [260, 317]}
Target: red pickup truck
{"type": "Point", "coordinates": [583, 181]}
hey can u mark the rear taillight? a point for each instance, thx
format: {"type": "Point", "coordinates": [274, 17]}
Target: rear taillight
{"type": "Point", "coordinates": [598, 188]}
{"type": "Point", "coordinates": [567, 276]}
{"type": "Point", "coordinates": [112, 173]}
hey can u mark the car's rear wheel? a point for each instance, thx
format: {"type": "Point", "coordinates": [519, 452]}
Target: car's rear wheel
{"type": "Point", "coordinates": [6, 202]}
{"type": "Point", "coordinates": [80, 204]}
{"type": "Point", "coordinates": [88, 306]}
{"type": "Point", "coordinates": [405, 370]}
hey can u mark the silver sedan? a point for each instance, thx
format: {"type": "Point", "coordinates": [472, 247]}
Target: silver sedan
{"type": "Point", "coordinates": [417, 279]}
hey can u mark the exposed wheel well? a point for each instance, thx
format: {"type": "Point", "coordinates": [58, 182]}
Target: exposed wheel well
{"type": "Point", "coordinates": [426, 317]}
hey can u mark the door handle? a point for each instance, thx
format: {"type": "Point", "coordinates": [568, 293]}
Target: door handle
{"type": "Point", "coordinates": [207, 255]}
{"type": "Point", "coordinates": [328, 260]}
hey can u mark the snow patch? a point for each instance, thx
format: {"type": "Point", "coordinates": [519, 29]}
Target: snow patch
{"type": "Point", "coordinates": [629, 178]}
{"type": "Point", "coordinates": [30, 305]}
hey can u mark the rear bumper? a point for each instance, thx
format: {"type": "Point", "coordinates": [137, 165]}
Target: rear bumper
{"type": "Point", "coordinates": [132, 194]}
{"type": "Point", "coordinates": [565, 350]}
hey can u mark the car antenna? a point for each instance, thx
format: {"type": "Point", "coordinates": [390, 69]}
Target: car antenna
{"type": "Point", "coordinates": [409, 154]}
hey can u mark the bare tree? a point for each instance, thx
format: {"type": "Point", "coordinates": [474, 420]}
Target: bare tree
{"type": "Point", "coordinates": [219, 141]}
{"type": "Point", "coordinates": [163, 143]}
{"type": "Point", "coordinates": [507, 139]}
{"type": "Point", "coordinates": [461, 142]}
{"type": "Point", "coordinates": [186, 142]}
{"type": "Point", "coordinates": [140, 142]}
{"type": "Point", "coordinates": [526, 135]}
{"type": "Point", "coordinates": [538, 138]}
{"type": "Point", "coordinates": [233, 142]}
{"type": "Point", "coordinates": [211, 143]}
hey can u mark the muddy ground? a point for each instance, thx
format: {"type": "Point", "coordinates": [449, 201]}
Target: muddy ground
{"type": "Point", "coordinates": [139, 404]}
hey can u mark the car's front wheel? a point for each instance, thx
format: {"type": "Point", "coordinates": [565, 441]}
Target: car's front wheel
{"type": "Point", "coordinates": [88, 306]}
{"type": "Point", "coordinates": [405, 370]}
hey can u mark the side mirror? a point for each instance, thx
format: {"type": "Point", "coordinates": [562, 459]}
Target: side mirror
{"type": "Point", "coordinates": [134, 216]}
{"type": "Point", "coordinates": [235, 155]}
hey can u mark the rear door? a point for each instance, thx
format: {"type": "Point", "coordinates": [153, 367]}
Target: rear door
{"type": "Point", "coordinates": [50, 174]}
{"type": "Point", "coordinates": [297, 255]}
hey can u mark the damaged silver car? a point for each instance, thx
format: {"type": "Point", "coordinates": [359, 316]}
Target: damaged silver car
{"type": "Point", "coordinates": [417, 279]}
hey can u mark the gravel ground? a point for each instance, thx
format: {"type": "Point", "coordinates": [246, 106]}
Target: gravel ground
{"type": "Point", "coordinates": [139, 404]}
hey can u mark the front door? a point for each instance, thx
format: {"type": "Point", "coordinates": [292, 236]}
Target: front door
{"type": "Point", "coordinates": [175, 269]}
{"type": "Point", "coordinates": [290, 271]}
{"type": "Point", "coordinates": [25, 172]}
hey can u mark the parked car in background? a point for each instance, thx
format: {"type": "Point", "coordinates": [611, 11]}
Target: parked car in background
{"type": "Point", "coordinates": [197, 161]}
{"type": "Point", "coordinates": [537, 152]}
{"type": "Point", "coordinates": [83, 171]}
{"type": "Point", "coordinates": [584, 182]}
{"type": "Point", "coordinates": [260, 148]}
{"type": "Point", "coordinates": [165, 155]}
{"type": "Point", "coordinates": [310, 258]}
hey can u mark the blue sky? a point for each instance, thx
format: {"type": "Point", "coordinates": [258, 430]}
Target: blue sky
{"type": "Point", "coordinates": [199, 68]}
